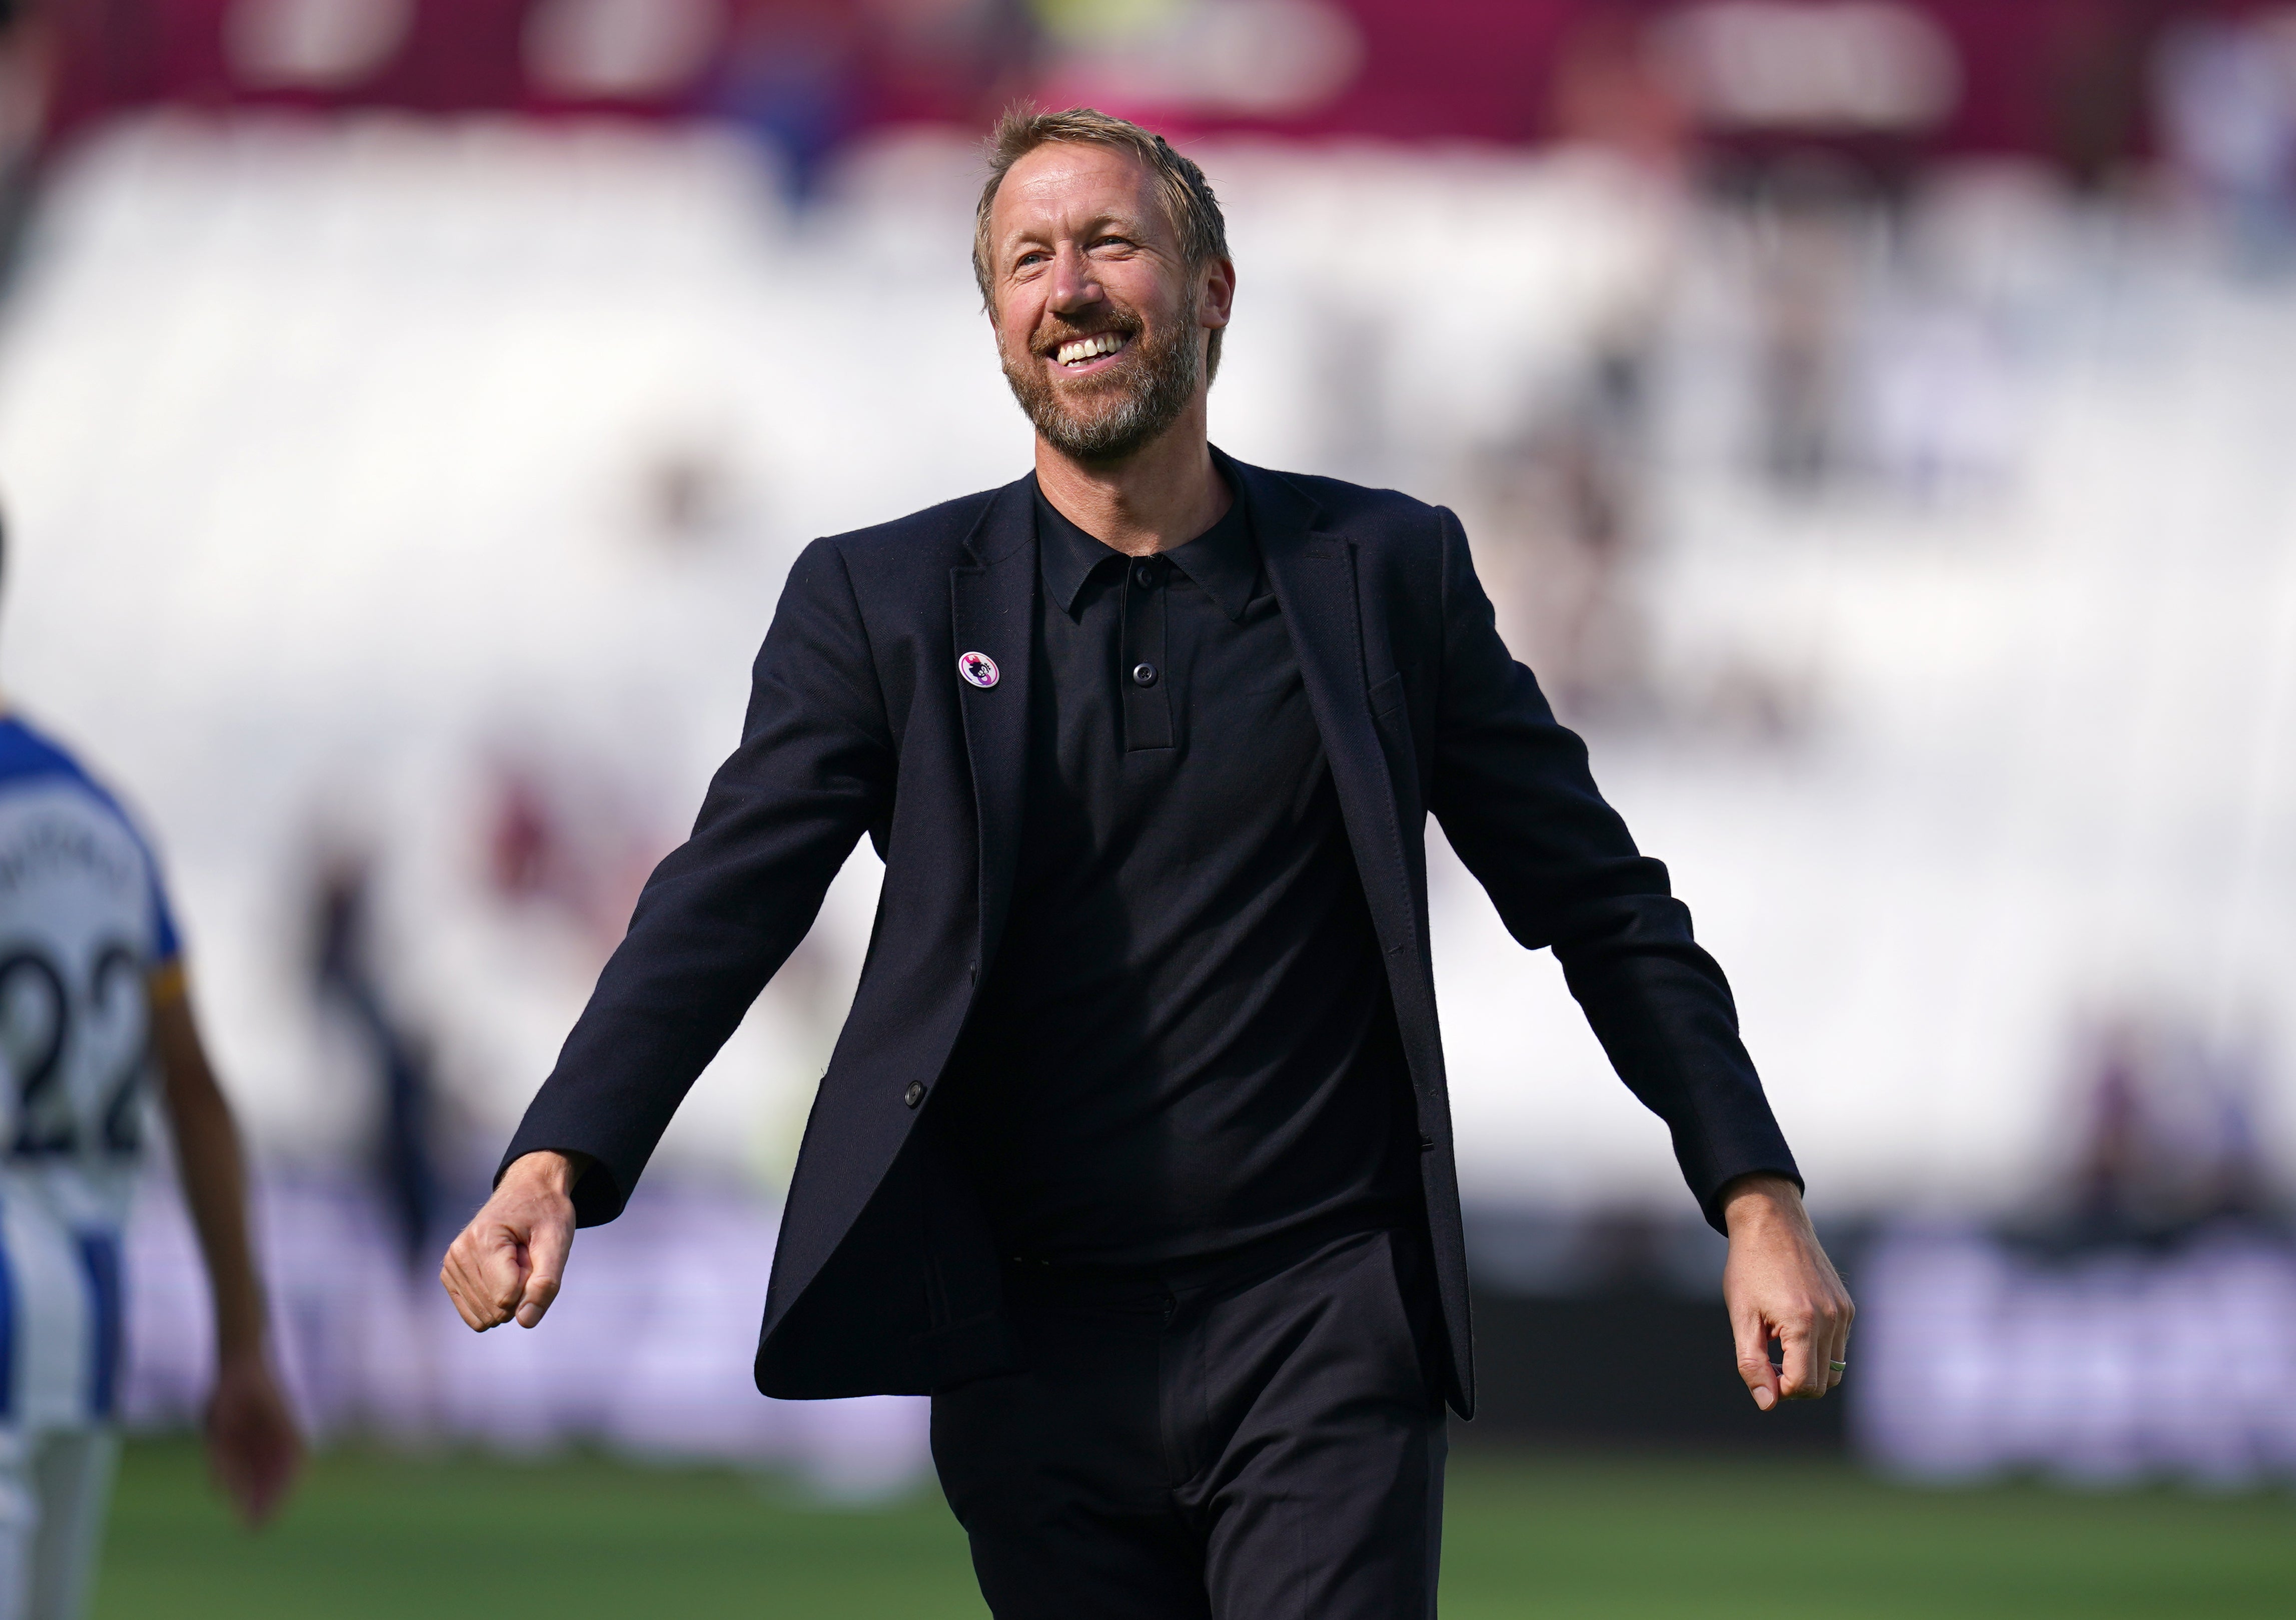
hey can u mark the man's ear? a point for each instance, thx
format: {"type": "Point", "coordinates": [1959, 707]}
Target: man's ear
{"type": "Point", "coordinates": [1219, 301]}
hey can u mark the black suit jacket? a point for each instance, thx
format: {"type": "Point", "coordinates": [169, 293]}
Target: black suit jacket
{"type": "Point", "coordinates": [885, 1279]}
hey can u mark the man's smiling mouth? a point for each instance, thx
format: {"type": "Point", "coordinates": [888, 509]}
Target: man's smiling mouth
{"type": "Point", "coordinates": [1080, 351]}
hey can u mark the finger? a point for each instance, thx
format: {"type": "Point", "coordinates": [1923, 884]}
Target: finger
{"type": "Point", "coordinates": [1837, 1352]}
{"type": "Point", "coordinates": [227, 1456]}
{"type": "Point", "coordinates": [546, 1252]}
{"type": "Point", "coordinates": [454, 1293]}
{"type": "Point", "coordinates": [278, 1455]}
{"type": "Point", "coordinates": [240, 1463]}
{"type": "Point", "coordinates": [256, 1460]}
{"type": "Point", "coordinates": [463, 1287]}
{"type": "Point", "coordinates": [1825, 1349]}
{"type": "Point", "coordinates": [1753, 1336]}
{"type": "Point", "coordinates": [450, 1281]}
{"type": "Point", "coordinates": [490, 1264]}
{"type": "Point", "coordinates": [1803, 1375]}
{"type": "Point", "coordinates": [505, 1263]}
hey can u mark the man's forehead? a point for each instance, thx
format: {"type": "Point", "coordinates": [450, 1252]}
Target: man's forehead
{"type": "Point", "coordinates": [1065, 178]}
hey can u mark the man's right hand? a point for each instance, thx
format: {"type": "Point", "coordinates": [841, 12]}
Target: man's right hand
{"type": "Point", "coordinates": [509, 1259]}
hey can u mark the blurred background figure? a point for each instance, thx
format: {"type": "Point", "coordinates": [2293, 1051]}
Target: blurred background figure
{"type": "Point", "coordinates": [2170, 1144]}
{"type": "Point", "coordinates": [2227, 89]}
{"type": "Point", "coordinates": [1815, 222]}
{"type": "Point", "coordinates": [92, 992]}
{"type": "Point", "coordinates": [1566, 495]}
{"type": "Point", "coordinates": [1869, 417]}
{"type": "Point", "coordinates": [343, 974]}
{"type": "Point", "coordinates": [24, 73]}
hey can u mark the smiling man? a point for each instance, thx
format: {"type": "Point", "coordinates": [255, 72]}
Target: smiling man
{"type": "Point", "coordinates": [1134, 1152]}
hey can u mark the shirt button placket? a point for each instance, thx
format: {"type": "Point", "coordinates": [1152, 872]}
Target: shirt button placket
{"type": "Point", "coordinates": [1147, 697]}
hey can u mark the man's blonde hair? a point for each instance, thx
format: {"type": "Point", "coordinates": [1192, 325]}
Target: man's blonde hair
{"type": "Point", "coordinates": [1187, 196]}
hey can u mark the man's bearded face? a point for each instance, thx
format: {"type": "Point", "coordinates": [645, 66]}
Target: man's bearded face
{"type": "Point", "coordinates": [1114, 382]}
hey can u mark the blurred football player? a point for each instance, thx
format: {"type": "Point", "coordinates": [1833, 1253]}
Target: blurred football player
{"type": "Point", "coordinates": [92, 992]}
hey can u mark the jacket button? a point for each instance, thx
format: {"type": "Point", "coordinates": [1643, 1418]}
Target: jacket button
{"type": "Point", "coordinates": [1144, 674]}
{"type": "Point", "coordinates": [915, 1094]}
{"type": "Point", "coordinates": [1426, 1143]}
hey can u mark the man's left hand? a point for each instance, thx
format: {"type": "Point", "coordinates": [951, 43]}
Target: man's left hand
{"type": "Point", "coordinates": [1778, 1284]}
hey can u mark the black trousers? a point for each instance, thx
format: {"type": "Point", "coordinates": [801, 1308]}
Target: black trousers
{"type": "Point", "coordinates": [1260, 1438]}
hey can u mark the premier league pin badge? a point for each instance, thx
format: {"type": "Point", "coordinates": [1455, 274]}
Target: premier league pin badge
{"type": "Point", "coordinates": [978, 667]}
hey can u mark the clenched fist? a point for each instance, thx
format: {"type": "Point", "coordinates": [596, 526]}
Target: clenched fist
{"type": "Point", "coordinates": [509, 1259]}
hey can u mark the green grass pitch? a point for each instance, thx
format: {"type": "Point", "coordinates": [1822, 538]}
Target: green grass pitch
{"type": "Point", "coordinates": [1557, 1536]}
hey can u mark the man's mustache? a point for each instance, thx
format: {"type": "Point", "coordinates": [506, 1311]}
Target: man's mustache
{"type": "Point", "coordinates": [1045, 341]}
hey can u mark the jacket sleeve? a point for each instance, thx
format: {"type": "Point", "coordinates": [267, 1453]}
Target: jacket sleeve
{"type": "Point", "coordinates": [724, 911]}
{"type": "Point", "coordinates": [1513, 792]}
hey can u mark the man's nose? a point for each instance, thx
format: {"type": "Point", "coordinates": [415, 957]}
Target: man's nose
{"type": "Point", "coordinates": [1074, 285]}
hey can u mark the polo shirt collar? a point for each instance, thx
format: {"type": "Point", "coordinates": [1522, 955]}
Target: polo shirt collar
{"type": "Point", "coordinates": [1223, 562]}
{"type": "Point", "coordinates": [1066, 553]}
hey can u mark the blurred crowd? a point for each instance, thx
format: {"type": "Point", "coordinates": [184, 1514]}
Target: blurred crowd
{"type": "Point", "coordinates": [1867, 416]}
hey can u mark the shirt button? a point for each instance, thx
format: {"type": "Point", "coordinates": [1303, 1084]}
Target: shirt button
{"type": "Point", "coordinates": [1144, 674]}
{"type": "Point", "coordinates": [915, 1094]}
{"type": "Point", "coordinates": [1145, 575]}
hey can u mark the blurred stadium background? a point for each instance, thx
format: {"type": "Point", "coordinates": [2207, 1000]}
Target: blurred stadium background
{"type": "Point", "coordinates": [1874, 418]}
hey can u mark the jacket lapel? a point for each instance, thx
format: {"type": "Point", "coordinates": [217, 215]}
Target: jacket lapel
{"type": "Point", "coordinates": [1314, 572]}
{"type": "Point", "coordinates": [994, 607]}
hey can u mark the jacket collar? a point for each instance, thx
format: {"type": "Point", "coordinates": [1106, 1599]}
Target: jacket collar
{"type": "Point", "coordinates": [1281, 511]}
{"type": "Point", "coordinates": [1313, 569]}
{"type": "Point", "coordinates": [1006, 524]}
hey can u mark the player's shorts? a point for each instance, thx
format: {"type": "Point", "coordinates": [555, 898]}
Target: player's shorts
{"type": "Point", "coordinates": [60, 1310]}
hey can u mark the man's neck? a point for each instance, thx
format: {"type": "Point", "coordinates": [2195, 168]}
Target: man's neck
{"type": "Point", "coordinates": [1163, 495]}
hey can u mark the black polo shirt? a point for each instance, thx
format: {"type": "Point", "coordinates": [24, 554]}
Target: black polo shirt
{"type": "Point", "coordinates": [1186, 1042]}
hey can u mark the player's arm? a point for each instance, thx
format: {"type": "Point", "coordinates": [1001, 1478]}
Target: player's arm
{"type": "Point", "coordinates": [1511, 788]}
{"type": "Point", "coordinates": [252, 1443]}
{"type": "Point", "coordinates": [814, 770]}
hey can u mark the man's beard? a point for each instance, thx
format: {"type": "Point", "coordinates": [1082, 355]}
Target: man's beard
{"type": "Point", "coordinates": [1150, 384]}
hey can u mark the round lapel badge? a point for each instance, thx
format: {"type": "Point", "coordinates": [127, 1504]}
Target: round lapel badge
{"type": "Point", "coordinates": [978, 667]}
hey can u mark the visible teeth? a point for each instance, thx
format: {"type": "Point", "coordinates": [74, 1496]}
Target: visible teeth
{"type": "Point", "coordinates": [1087, 348]}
